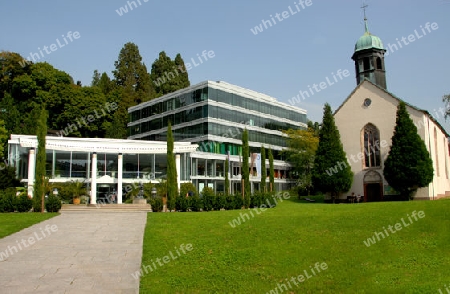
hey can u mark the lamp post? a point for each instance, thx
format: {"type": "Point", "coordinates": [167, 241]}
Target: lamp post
{"type": "Point", "coordinates": [153, 192]}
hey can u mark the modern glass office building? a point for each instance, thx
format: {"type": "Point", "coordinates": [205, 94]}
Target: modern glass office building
{"type": "Point", "coordinates": [214, 115]}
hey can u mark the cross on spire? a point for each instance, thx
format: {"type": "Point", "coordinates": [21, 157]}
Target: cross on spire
{"type": "Point", "coordinates": [364, 8]}
{"type": "Point", "coordinates": [366, 25]}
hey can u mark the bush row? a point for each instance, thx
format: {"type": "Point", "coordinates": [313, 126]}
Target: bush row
{"type": "Point", "coordinates": [209, 201]}
{"type": "Point", "coordinates": [9, 202]}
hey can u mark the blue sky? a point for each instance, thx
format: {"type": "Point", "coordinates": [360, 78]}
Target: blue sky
{"type": "Point", "coordinates": [302, 49]}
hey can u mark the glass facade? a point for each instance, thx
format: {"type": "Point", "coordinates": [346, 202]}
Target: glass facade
{"type": "Point", "coordinates": [215, 112]}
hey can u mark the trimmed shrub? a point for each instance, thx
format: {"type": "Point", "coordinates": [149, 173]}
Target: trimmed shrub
{"type": "Point", "coordinates": [181, 203]}
{"type": "Point", "coordinates": [220, 201]}
{"type": "Point", "coordinates": [195, 203]}
{"type": "Point", "coordinates": [187, 189]}
{"type": "Point", "coordinates": [22, 203]}
{"type": "Point", "coordinates": [53, 203]}
{"type": "Point", "coordinates": [157, 204]}
{"type": "Point", "coordinates": [7, 200]}
{"type": "Point", "coordinates": [238, 201]}
{"type": "Point", "coordinates": [208, 199]}
{"type": "Point", "coordinates": [229, 202]}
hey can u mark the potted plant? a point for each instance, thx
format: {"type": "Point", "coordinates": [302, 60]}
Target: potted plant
{"type": "Point", "coordinates": [77, 189]}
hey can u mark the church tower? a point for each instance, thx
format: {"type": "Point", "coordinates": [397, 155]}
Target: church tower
{"type": "Point", "coordinates": [369, 58]}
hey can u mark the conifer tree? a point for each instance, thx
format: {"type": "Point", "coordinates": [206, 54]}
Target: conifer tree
{"type": "Point", "coordinates": [169, 75]}
{"type": "Point", "coordinates": [245, 168]}
{"type": "Point", "coordinates": [330, 155]}
{"type": "Point", "coordinates": [172, 185]}
{"type": "Point", "coordinates": [271, 172]}
{"type": "Point", "coordinates": [183, 76]}
{"type": "Point", "coordinates": [263, 170]}
{"type": "Point", "coordinates": [408, 165]}
{"type": "Point", "coordinates": [38, 194]}
{"type": "Point", "coordinates": [227, 179]}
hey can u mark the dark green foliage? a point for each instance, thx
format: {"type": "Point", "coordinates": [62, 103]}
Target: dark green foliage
{"type": "Point", "coordinates": [238, 201]}
{"type": "Point", "coordinates": [245, 168]}
{"type": "Point", "coordinates": [263, 185]}
{"type": "Point", "coordinates": [256, 198]}
{"type": "Point", "coordinates": [229, 202]}
{"type": "Point", "coordinates": [263, 198]}
{"type": "Point", "coordinates": [53, 203]}
{"type": "Point", "coordinates": [38, 195]}
{"type": "Point", "coordinates": [172, 186]}
{"type": "Point", "coordinates": [408, 165]}
{"type": "Point", "coordinates": [187, 189]}
{"type": "Point", "coordinates": [23, 203]}
{"type": "Point", "coordinates": [8, 177]}
{"type": "Point", "coordinates": [227, 179]}
{"type": "Point", "coordinates": [195, 203]}
{"type": "Point", "coordinates": [183, 78]}
{"type": "Point", "coordinates": [169, 75]}
{"type": "Point", "coordinates": [157, 204]}
{"type": "Point", "coordinates": [208, 198]}
{"type": "Point", "coordinates": [220, 201]}
{"type": "Point", "coordinates": [182, 203]}
{"type": "Point", "coordinates": [271, 172]}
{"type": "Point", "coordinates": [330, 154]}
{"type": "Point", "coordinates": [7, 200]}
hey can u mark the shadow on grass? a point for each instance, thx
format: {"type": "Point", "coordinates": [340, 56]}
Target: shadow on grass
{"type": "Point", "coordinates": [318, 199]}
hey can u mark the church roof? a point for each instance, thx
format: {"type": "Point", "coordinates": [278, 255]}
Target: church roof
{"type": "Point", "coordinates": [397, 98]}
{"type": "Point", "coordinates": [368, 41]}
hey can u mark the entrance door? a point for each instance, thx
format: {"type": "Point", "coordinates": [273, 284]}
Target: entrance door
{"type": "Point", "coordinates": [373, 192]}
{"type": "Point", "coordinates": [373, 186]}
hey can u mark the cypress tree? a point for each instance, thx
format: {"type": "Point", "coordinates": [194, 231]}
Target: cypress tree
{"type": "Point", "coordinates": [227, 180]}
{"type": "Point", "coordinates": [38, 197]}
{"type": "Point", "coordinates": [331, 173]}
{"type": "Point", "coordinates": [172, 185]}
{"type": "Point", "coordinates": [271, 172]}
{"type": "Point", "coordinates": [263, 169]}
{"type": "Point", "coordinates": [245, 168]}
{"type": "Point", "coordinates": [408, 165]}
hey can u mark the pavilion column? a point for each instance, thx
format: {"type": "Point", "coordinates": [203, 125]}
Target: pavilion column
{"type": "Point", "coordinates": [178, 168]}
{"type": "Point", "coordinates": [119, 178]}
{"type": "Point", "coordinates": [94, 179]}
{"type": "Point", "coordinates": [31, 170]}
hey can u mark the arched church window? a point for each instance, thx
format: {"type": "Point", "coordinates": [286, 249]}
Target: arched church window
{"type": "Point", "coordinates": [371, 138]}
{"type": "Point", "coordinates": [366, 63]}
{"type": "Point", "coordinates": [379, 63]}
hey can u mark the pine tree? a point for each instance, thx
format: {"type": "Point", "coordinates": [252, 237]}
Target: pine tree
{"type": "Point", "coordinates": [38, 194]}
{"type": "Point", "coordinates": [271, 172]}
{"type": "Point", "coordinates": [245, 168]}
{"type": "Point", "coordinates": [183, 79]}
{"type": "Point", "coordinates": [172, 185]}
{"type": "Point", "coordinates": [263, 170]}
{"type": "Point", "coordinates": [169, 75]}
{"type": "Point", "coordinates": [330, 155]}
{"type": "Point", "coordinates": [227, 179]}
{"type": "Point", "coordinates": [408, 165]}
{"type": "Point", "coordinates": [134, 85]}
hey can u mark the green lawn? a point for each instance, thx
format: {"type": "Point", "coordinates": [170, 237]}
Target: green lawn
{"type": "Point", "coordinates": [285, 241]}
{"type": "Point", "coordinates": [14, 222]}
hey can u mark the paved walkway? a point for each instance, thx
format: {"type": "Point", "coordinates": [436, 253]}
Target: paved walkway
{"type": "Point", "coordinates": [75, 252]}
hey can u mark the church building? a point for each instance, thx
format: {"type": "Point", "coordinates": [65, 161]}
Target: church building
{"type": "Point", "coordinates": [366, 122]}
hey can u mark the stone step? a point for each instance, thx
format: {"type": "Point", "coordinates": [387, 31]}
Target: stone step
{"type": "Point", "coordinates": [106, 207]}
